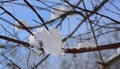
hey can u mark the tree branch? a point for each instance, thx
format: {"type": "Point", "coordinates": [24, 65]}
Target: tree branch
{"type": "Point", "coordinates": [101, 47]}
{"type": "Point", "coordinates": [14, 40]}
{"type": "Point", "coordinates": [74, 50]}
{"type": "Point", "coordinates": [36, 13]}
{"type": "Point", "coordinates": [16, 20]}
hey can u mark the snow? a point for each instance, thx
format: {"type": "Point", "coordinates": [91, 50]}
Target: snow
{"type": "Point", "coordinates": [50, 41]}
{"type": "Point", "coordinates": [17, 24]}
{"type": "Point", "coordinates": [113, 55]}
{"type": "Point", "coordinates": [33, 42]}
{"type": "Point", "coordinates": [59, 10]}
{"type": "Point", "coordinates": [86, 45]}
{"type": "Point", "coordinates": [118, 51]}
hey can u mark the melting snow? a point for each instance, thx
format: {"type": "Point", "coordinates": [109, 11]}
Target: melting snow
{"type": "Point", "coordinates": [118, 51]}
{"type": "Point", "coordinates": [113, 56]}
{"type": "Point", "coordinates": [86, 45]}
{"type": "Point", "coordinates": [59, 10]}
{"type": "Point", "coordinates": [50, 41]}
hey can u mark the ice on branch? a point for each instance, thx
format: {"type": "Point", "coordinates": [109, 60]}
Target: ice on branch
{"type": "Point", "coordinates": [59, 10]}
{"type": "Point", "coordinates": [50, 41]}
{"type": "Point", "coordinates": [86, 45]}
{"type": "Point", "coordinates": [19, 26]}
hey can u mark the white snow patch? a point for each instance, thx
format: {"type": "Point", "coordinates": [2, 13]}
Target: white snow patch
{"type": "Point", "coordinates": [33, 42]}
{"type": "Point", "coordinates": [50, 41]}
{"type": "Point", "coordinates": [86, 45]}
{"type": "Point", "coordinates": [59, 10]}
{"type": "Point", "coordinates": [114, 55]}
{"type": "Point", "coordinates": [118, 51]}
{"type": "Point", "coordinates": [105, 59]}
{"type": "Point", "coordinates": [23, 22]}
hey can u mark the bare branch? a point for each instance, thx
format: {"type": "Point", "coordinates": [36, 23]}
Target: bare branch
{"type": "Point", "coordinates": [16, 19]}
{"type": "Point", "coordinates": [15, 41]}
{"type": "Point", "coordinates": [36, 13]}
{"type": "Point", "coordinates": [11, 61]}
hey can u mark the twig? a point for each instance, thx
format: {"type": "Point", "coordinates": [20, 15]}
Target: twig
{"type": "Point", "coordinates": [16, 20]}
{"type": "Point", "coordinates": [41, 61]}
{"type": "Point", "coordinates": [11, 61]}
{"type": "Point", "coordinates": [15, 41]}
{"type": "Point", "coordinates": [95, 12]}
{"type": "Point", "coordinates": [93, 32]}
{"type": "Point", "coordinates": [36, 13]}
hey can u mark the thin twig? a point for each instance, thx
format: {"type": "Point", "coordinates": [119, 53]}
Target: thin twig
{"type": "Point", "coordinates": [93, 32]}
{"type": "Point", "coordinates": [15, 41]}
{"type": "Point", "coordinates": [11, 61]}
{"type": "Point", "coordinates": [36, 13]}
{"type": "Point", "coordinates": [36, 66]}
{"type": "Point", "coordinates": [16, 20]}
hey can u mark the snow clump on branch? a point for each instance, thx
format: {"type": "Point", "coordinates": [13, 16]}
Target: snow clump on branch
{"type": "Point", "coordinates": [59, 10]}
{"type": "Point", "coordinates": [86, 45]}
{"type": "Point", "coordinates": [50, 41]}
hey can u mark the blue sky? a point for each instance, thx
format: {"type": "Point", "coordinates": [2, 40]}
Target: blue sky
{"type": "Point", "coordinates": [25, 13]}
